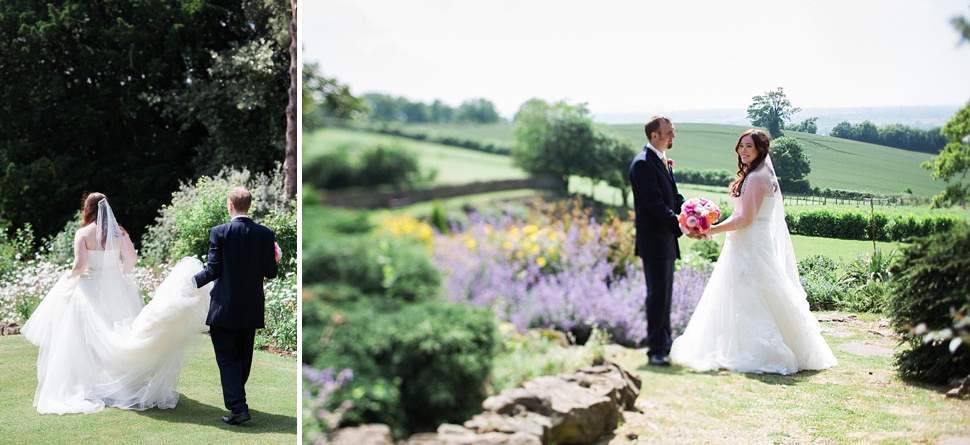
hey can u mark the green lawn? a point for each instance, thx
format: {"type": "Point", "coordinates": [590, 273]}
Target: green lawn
{"type": "Point", "coordinates": [859, 401]}
{"type": "Point", "coordinates": [271, 393]}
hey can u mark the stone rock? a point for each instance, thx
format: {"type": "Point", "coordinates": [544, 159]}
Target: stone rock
{"type": "Point", "coordinates": [374, 434]}
{"type": "Point", "coordinates": [566, 409]}
{"type": "Point", "coordinates": [961, 389]}
{"type": "Point", "coordinates": [449, 434]}
{"type": "Point", "coordinates": [9, 328]}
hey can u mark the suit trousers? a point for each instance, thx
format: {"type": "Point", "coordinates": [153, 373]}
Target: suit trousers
{"type": "Point", "coordinates": [660, 288]}
{"type": "Point", "coordinates": [234, 354]}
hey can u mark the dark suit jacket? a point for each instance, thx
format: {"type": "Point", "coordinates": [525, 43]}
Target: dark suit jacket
{"type": "Point", "coordinates": [241, 254]}
{"type": "Point", "coordinates": [656, 204]}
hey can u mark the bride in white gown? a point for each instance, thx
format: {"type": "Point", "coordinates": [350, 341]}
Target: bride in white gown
{"type": "Point", "coordinates": [753, 315]}
{"type": "Point", "coordinates": [99, 345]}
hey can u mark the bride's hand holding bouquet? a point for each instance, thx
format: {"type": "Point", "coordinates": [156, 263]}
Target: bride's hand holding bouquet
{"type": "Point", "coordinates": [697, 215]}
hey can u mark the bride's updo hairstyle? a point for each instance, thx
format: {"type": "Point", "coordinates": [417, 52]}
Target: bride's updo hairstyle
{"type": "Point", "coordinates": [89, 208]}
{"type": "Point", "coordinates": [89, 213]}
{"type": "Point", "coordinates": [762, 142]}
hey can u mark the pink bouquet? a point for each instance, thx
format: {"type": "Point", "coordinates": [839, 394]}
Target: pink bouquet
{"type": "Point", "coordinates": [697, 215]}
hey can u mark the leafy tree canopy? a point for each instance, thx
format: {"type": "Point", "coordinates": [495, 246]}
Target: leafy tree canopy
{"type": "Point", "coordinates": [129, 98]}
{"type": "Point", "coordinates": [791, 162]}
{"type": "Point", "coordinates": [556, 139]}
{"type": "Point", "coordinates": [770, 111]}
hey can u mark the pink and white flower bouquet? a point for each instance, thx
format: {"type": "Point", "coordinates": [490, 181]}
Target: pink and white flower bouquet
{"type": "Point", "coordinates": [698, 214]}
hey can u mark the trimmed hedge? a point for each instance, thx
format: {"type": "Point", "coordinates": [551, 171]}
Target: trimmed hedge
{"type": "Point", "coordinates": [860, 225]}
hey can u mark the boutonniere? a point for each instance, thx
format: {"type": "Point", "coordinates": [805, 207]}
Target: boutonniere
{"type": "Point", "coordinates": [670, 163]}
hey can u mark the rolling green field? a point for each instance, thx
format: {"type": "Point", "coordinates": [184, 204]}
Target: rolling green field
{"type": "Point", "coordinates": [836, 163]}
{"type": "Point", "coordinates": [696, 146]}
{"type": "Point", "coordinates": [454, 165]}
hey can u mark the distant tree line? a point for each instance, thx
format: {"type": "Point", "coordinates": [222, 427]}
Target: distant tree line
{"type": "Point", "coordinates": [386, 108]}
{"type": "Point", "coordinates": [893, 135]}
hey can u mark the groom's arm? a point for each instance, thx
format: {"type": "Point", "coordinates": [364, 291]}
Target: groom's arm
{"type": "Point", "coordinates": [272, 266]}
{"type": "Point", "coordinates": [646, 187]}
{"type": "Point", "coordinates": [213, 265]}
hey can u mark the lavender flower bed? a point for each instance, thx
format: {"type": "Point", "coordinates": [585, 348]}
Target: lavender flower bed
{"type": "Point", "coordinates": [557, 276]}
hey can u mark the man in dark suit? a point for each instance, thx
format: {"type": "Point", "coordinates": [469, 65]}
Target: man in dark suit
{"type": "Point", "coordinates": [241, 254]}
{"type": "Point", "coordinates": [656, 204]}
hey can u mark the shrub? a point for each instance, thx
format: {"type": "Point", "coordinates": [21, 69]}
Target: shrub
{"type": "Point", "coordinates": [376, 266]}
{"type": "Point", "coordinates": [930, 280]}
{"type": "Point", "coordinates": [59, 248]}
{"type": "Point", "coordinates": [414, 368]}
{"type": "Point", "coordinates": [15, 250]}
{"type": "Point", "coordinates": [182, 227]}
{"type": "Point", "coordinates": [380, 165]}
{"type": "Point", "coordinates": [709, 250]}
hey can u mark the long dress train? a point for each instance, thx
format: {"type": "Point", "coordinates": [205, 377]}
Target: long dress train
{"type": "Point", "coordinates": [753, 315]}
{"type": "Point", "coordinates": [98, 345]}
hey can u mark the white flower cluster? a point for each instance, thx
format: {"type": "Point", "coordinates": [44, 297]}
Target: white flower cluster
{"type": "Point", "coordinates": [21, 291]}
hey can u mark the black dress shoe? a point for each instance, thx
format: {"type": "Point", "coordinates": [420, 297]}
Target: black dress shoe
{"type": "Point", "coordinates": [659, 360]}
{"type": "Point", "coordinates": [236, 418]}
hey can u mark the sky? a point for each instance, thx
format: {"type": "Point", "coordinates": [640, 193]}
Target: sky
{"type": "Point", "coordinates": [644, 56]}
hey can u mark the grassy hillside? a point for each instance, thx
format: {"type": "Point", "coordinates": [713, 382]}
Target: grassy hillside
{"type": "Point", "coordinates": [454, 165]}
{"type": "Point", "coordinates": [836, 163]}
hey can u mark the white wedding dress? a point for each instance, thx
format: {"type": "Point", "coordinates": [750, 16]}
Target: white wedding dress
{"type": "Point", "coordinates": [100, 345]}
{"type": "Point", "coordinates": [753, 315]}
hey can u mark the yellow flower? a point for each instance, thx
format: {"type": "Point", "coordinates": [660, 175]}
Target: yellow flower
{"type": "Point", "coordinates": [507, 245]}
{"type": "Point", "coordinates": [530, 229]}
{"type": "Point", "coordinates": [471, 243]}
{"type": "Point", "coordinates": [541, 262]}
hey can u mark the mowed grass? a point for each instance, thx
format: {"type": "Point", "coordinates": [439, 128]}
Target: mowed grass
{"type": "Point", "coordinates": [859, 401]}
{"type": "Point", "coordinates": [271, 393]}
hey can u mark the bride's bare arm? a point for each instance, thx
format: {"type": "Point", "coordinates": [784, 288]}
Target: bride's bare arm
{"type": "Point", "coordinates": [756, 187]}
{"type": "Point", "coordinates": [128, 254]}
{"type": "Point", "coordinates": [80, 255]}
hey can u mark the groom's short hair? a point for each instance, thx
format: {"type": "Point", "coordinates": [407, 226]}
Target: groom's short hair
{"type": "Point", "coordinates": [653, 125]}
{"type": "Point", "coordinates": [241, 199]}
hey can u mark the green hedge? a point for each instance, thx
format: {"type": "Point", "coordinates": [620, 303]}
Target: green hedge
{"type": "Point", "coordinates": [931, 278]}
{"type": "Point", "coordinates": [861, 225]}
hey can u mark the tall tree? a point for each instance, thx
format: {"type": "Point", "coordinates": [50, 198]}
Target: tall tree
{"type": "Point", "coordinates": [324, 96]}
{"type": "Point", "coordinates": [289, 164]}
{"type": "Point", "coordinates": [792, 164]}
{"type": "Point", "coordinates": [770, 111]}
{"type": "Point", "coordinates": [615, 155]}
{"type": "Point", "coordinates": [477, 110]}
{"type": "Point", "coordinates": [554, 139]}
{"type": "Point", "coordinates": [953, 161]}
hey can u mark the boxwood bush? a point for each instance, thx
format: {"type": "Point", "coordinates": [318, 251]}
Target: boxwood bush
{"type": "Point", "coordinates": [931, 278]}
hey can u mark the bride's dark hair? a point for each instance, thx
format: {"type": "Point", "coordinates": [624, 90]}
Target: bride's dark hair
{"type": "Point", "coordinates": [89, 212]}
{"type": "Point", "coordinates": [762, 142]}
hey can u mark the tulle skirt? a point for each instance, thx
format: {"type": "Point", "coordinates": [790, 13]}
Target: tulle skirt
{"type": "Point", "coordinates": [99, 347]}
{"type": "Point", "coordinates": [753, 315]}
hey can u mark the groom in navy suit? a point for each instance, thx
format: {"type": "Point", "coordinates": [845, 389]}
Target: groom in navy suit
{"type": "Point", "coordinates": [656, 204]}
{"type": "Point", "coordinates": [241, 254]}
